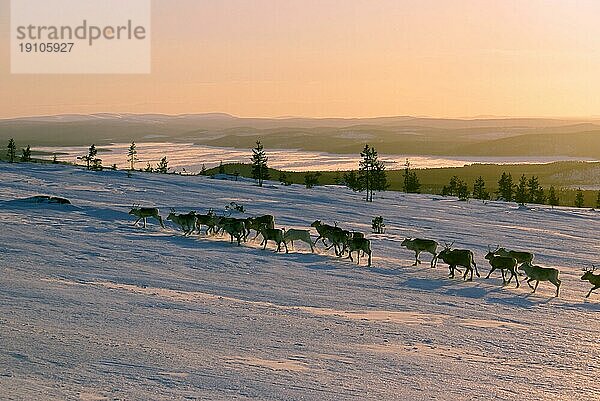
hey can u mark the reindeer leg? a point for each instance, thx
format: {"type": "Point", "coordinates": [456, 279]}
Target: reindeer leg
{"type": "Point", "coordinates": [491, 270]}
{"type": "Point", "coordinates": [144, 222]}
{"type": "Point", "coordinates": [137, 221]}
{"type": "Point", "coordinates": [416, 258]}
{"type": "Point", "coordinates": [536, 285]}
{"type": "Point", "coordinates": [434, 260]}
{"type": "Point", "coordinates": [593, 288]}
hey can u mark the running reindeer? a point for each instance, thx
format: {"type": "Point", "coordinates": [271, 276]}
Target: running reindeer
{"type": "Point", "coordinates": [458, 257]}
{"type": "Point", "coordinates": [502, 263]}
{"type": "Point", "coordinates": [594, 279]}
{"type": "Point", "coordinates": [144, 213]}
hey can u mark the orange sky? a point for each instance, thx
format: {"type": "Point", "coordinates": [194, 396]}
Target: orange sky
{"type": "Point", "coordinates": [348, 58]}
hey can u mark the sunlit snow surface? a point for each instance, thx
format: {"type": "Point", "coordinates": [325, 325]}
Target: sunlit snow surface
{"type": "Point", "coordinates": [191, 157]}
{"type": "Point", "coordinates": [94, 308]}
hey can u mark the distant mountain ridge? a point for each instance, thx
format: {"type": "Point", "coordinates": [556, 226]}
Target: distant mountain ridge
{"type": "Point", "coordinates": [395, 134]}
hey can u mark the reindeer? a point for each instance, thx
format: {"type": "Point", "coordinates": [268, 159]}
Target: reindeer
{"type": "Point", "coordinates": [537, 274]}
{"type": "Point", "coordinates": [210, 220]}
{"type": "Point", "coordinates": [273, 234]}
{"type": "Point", "coordinates": [594, 279]}
{"type": "Point", "coordinates": [334, 234]}
{"type": "Point", "coordinates": [458, 257]}
{"type": "Point", "coordinates": [421, 245]}
{"type": "Point", "coordinates": [292, 235]}
{"type": "Point", "coordinates": [232, 222]}
{"type": "Point", "coordinates": [521, 257]}
{"type": "Point", "coordinates": [503, 263]}
{"type": "Point", "coordinates": [144, 213]}
{"type": "Point", "coordinates": [258, 223]}
{"type": "Point", "coordinates": [187, 222]}
{"type": "Point", "coordinates": [359, 244]}
{"type": "Point", "coordinates": [235, 228]}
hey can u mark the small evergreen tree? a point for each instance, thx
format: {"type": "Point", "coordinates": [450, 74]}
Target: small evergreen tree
{"type": "Point", "coordinates": [533, 187]}
{"type": "Point", "coordinates": [479, 191]}
{"type": "Point", "coordinates": [90, 157]}
{"type": "Point", "coordinates": [351, 180]}
{"type": "Point", "coordinates": [221, 168]}
{"type": "Point", "coordinates": [260, 170]}
{"type": "Point", "coordinates": [371, 173]}
{"type": "Point", "coordinates": [377, 225]}
{"type": "Point", "coordinates": [163, 166]}
{"type": "Point", "coordinates": [26, 156]}
{"type": "Point", "coordinates": [284, 180]}
{"type": "Point", "coordinates": [54, 159]}
{"type": "Point", "coordinates": [456, 187]}
{"type": "Point", "coordinates": [521, 195]}
{"type": "Point", "coordinates": [311, 179]}
{"type": "Point", "coordinates": [12, 150]}
{"type": "Point", "coordinates": [114, 167]}
{"type": "Point", "coordinates": [97, 164]}
{"type": "Point", "coordinates": [552, 197]}
{"type": "Point", "coordinates": [132, 155]}
{"type": "Point", "coordinates": [462, 191]}
{"type": "Point", "coordinates": [579, 198]}
{"type": "Point", "coordinates": [506, 187]}
{"type": "Point", "coordinates": [540, 196]}
{"type": "Point", "coordinates": [203, 170]}
{"type": "Point", "coordinates": [411, 182]}
{"type": "Point", "coordinates": [452, 188]}
{"type": "Point", "coordinates": [598, 201]}
{"type": "Point", "coordinates": [148, 168]}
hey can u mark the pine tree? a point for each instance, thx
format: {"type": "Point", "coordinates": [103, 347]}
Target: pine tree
{"type": "Point", "coordinates": [12, 150]}
{"type": "Point", "coordinates": [54, 159]}
{"type": "Point", "coordinates": [533, 186]}
{"type": "Point", "coordinates": [163, 166]}
{"type": "Point", "coordinates": [579, 198]}
{"type": "Point", "coordinates": [378, 225]}
{"type": "Point", "coordinates": [521, 195]}
{"type": "Point", "coordinates": [311, 180]}
{"type": "Point", "coordinates": [371, 173]}
{"type": "Point", "coordinates": [26, 156]}
{"type": "Point", "coordinates": [506, 187]}
{"type": "Point", "coordinates": [148, 168]}
{"type": "Point", "coordinates": [479, 191]}
{"type": "Point", "coordinates": [462, 191]}
{"type": "Point", "coordinates": [221, 168]}
{"type": "Point", "coordinates": [90, 157]}
{"type": "Point", "coordinates": [540, 196]}
{"type": "Point", "coordinates": [411, 182]}
{"type": "Point", "coordinates": [380, 182]}
{"type": "Point", "coordinates": [260, 170]}
{"type": "Point", "coordinates": [552, 197]}
{"type": "Point", "coordinates": [203, 170]}
{"type": "Point", "coordinates": [598, 201]}
{"type": "Point", "coordinates": [284, 180]}
{"type": "Point", "coordinates": [132, 155]}
{"type": "Point", "coordinates": [351, 180]}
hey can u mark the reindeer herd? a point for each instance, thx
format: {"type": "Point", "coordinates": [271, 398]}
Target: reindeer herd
{"type": "Point", "coordinates": [343, 242]}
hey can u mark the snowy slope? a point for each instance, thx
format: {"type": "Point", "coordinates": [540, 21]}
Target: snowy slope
{"type": "Point", "coordinates": [94, 308]}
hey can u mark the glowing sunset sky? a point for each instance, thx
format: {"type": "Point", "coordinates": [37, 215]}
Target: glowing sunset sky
{"type": "Point", "coordinates": [349, 58]}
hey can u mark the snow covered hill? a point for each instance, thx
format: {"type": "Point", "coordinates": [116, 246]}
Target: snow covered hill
{"type": "Point", "coordinates": [93, 308]}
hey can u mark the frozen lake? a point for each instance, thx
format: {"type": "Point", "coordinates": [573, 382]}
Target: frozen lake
{"type": "Point", "coordinates": [191, 157]}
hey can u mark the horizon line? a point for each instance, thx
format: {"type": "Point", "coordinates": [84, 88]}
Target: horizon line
{"type": "Point", "coordinates": [288, 117]}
